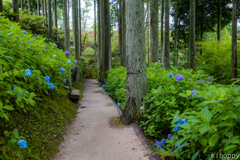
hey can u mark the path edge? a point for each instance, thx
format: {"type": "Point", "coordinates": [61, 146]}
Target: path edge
{"type": "Point", "coordinates": [137, 130]}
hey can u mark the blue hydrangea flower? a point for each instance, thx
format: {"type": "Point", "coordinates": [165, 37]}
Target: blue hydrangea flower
{"type": "Point", "coordinates": [119, 104]}
{"type": "Point", "coordinates": [201, 81]}
{"type": "Point", "coordinates": [105, 81]}
{"type": "Point", "coordinates": [103, 86]}
{"type": "Point", "coordinates": [45, 47]}
{"type": "Point", "coordinates": [68, 53]}
{"type": "Point", "coordinates": [184, 120]}
{"type": "Point", "coordinates": [163, 141]}
{"type": "Point", "coordinates": [22, 143]}
{"type": "Point", "coordinates": [73, 67]}
{"type": "Point", "coordinates": [193, 91]}
{"type": "Point", "coordinates": [163, 149]}
{"type": "Point", "coordinates": [171, 75]}
{"type": "Point", "coordinates": [35, 35]}
{"type": "Point", "coordinates": [176, 128]}
{"type": "Point", "coordinates": [220, 100]}
{"type": "Point", "coordinates": [62, 70]}
{"type": "Point", "coordinates": [169, 136]}
{"type": "Point", "coordinates": [75, 61]}
{"type": "Point", "coordinates": [54, 55]}
{"type": "Point", "coordinates": [64, 80]}
{"type": "Point", "coordinates": [1, 36]}
{"type": "Point", "coordinates": [106, 89]}
{"type": "Point", "coordinates": [179, 77]}
{"type": "Point", "coordinates": [51, 86]}
{"type": "Point", "coordinates": [20, 94]}
{"type": "Point", "coordinates": [14, 89]}
{"type": "Point", "coordinates": [47, 79]}
{"type": "Point", "coordinates": [179, 145]}
{"type": "Point", "coordinates": [158, 143]}
{"type": "Point", "coordinates": [211, 79]}
{"type": "Point", "coordinates": [55, 45]}
{"type": "Point", "coordinates": [27, 72]}
{"type": "Point", "coordinates": [25, 32]}
{"type": "Point", "coordinates": [68, 61]}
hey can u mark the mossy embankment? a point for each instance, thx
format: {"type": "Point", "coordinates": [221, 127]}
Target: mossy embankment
{"type": "Point", "coordinates": [42, 126]}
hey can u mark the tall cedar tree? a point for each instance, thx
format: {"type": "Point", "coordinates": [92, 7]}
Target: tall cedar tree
{"type": "Point", "coordinates": [154, 31]}
{"type": "Point", "coordinates": [79, 27]}
{"type": "Point", "coordinates": [45, 7]}
{"type": "Point", "coordinates": [99, 36]}
{"type": "Point", "coordinates": [176, 34]}
{"type": "Point", "coordinates": [234, 39]}
{"type": "Point", "coordinates": [42, 5]}
{"type": "Point", "coordinates": [167, 41]}
{"type": "Point", "coordinates": [192, 35]}
{"type": "Point", "coordinates": [95, 36]}
{"type": "Point", "coordinates": [55, 18]}
{"type": "Point", "coordinates": [49, 20]}
{"type": "Point", "coordinates": [136, 60]}
{"type": "Point", "coordinates": [219, 22]}
{"type": "Point", "coordinates": [120, 30]}
{"type": "Point", "coordinates": [124, 62]}
{"type": "Point", "coordinates": [162, 21]}
{"type": "Point", "coordinates": [15, 10]}
{"type": "Point", "coordinates": [29, 5]}
{"type": "Point", "coordinates": [102, 22]}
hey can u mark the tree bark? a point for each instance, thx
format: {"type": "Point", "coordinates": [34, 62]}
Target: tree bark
{"type": "Point", "coordinates": [76, 38]}
{"type": "Point", "coordinates": [219, 22]}
{"type": "Point", "coordinates": [99, 38]}
{"type": "Point", "coordinates": [68, 14]}
{"type": "Point", "coordinates": [120, 31]}
{"type": "Point", "coordinates": [29, 5]}
{"type": "Point", "coordinates": [148, 34]}
{"type": "Point", "coordinates": [192, 35]}
{"type": "Point", "coordinates": [21, 5]}
{"type": "Point", "coordinates": [42, 5]}
{"type": "Point", "coordinates": [162, 16]}
{"type": "Point", "coordinates": [55, 18]}
{"type": "Point", "coordinates": [102, 23]}
{"type": "Point", "coordinates": [49, 20]}
{"type": "Point", "coordinates": [38, 8]}
{"type": "Point", "coordinates": [95, 36]}
{"type": "Point", "coordinates": [136, 59]}
{"type": "Point", "coordinates": [45, 7]}
{"type": "Point", "coordinates": [15, 10]}
{"type": "Point", "coordinates": [106, 38]}
{"type": "Point", "coordinates": [80, 25]}
{"type": "Point", "coordinates": [201, 52]}
{"type": "Point", "coordinates": [124, 33]}
{"type": "Point", "coordinates": [167, 42]}
{"type": "Point", "coordinates": [154, 32]}
{"type": "Point", "coordinates": [176, 33]}
{"type": "Point", "coordinates": [234, 39]}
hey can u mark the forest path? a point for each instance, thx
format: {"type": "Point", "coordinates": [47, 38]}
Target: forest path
{"type": "Point", "coordinates": [91, 137]}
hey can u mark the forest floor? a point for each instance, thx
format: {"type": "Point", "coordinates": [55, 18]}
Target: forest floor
{"type": "Point", "coordinates": [97, 133]}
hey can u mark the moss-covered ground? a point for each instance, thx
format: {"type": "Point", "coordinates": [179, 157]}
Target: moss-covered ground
{"type": "Point", "coordinates": [42, 126]}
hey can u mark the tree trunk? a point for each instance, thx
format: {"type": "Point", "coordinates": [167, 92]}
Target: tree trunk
{"type": "Point", "coordinates": [162, 16]}
{"type": "Point", "coordinates": [102, 20]}
{"type": "Point", "coordinates": [68, 15]}
{"type": "Point", "coordinates": [15, 10]}
{"type": "Point", "coordinates": [49, 20]}
{"type": "Point", "coordinates": [95, 36]}
{"type": "Point", "coordinates": [38, 8]}
{"type": "Point", "coordinates": [120, 31]}
{"type": "Point", "coordinates": [124, 33]}
{"type": "Point", "coordinates": [201, 52]}
{"type": "Point", "coordinates": [21, 5]}
{"type": "Point", "coordinates": [136, 60]}
{"type": "Point", "coordinates": [154, 32]}
{"type": "Point", "coordinates": [106, 38]}
{"type": "Point", "coordinates": [148, 33]}
{"type": "Point", "coordinates": [219, 22]}
{"type": "Point", "coordinates": [79, 27]}
{"type": "Point", "coordinates": [45, 7]}
{"type": "Point", "coordinates": [29, 5]}
{"type": "Point", "coordinates": [192, 35]}
{"type": "Point", "coordinates": [167, 42]}
{"type": "Point", "coordinates": [176, 33]}
{"type": "Point", "coordinates": [234, 40]}
{"type": "Point", "coordinates": [55, 18]}
{"type": "Point", "coordinates": [99, 37]}
{"type": "Point", "coordinates": [42, 5]}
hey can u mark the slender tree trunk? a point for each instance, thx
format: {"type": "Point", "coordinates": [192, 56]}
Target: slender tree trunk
{"type": "Point", "coordinates": [162, 16]}
{"type": "Point", "coordinates": [102, 40]}
{"type": "Point", "coordinates": [29, 5]}
{"type": "Point", "coordinates": [76, 38]}
{"type": "Point", "coordinates": [38, 8]}
{"type": "Point", "coordinates": [136, 60]}
{"type": "Point", "coordinates": [234, 39]}
{"type": "Point", "coordinates": [49, 20]}
{"type": "Point", "coordinates": [124, 62]}
{"type": "Point", "coordinates": [148, 33]}
{"type": "Point", "coordinates": [106, 38]}
{"type": "Point", "coordinates": [176, 33]}
{"type": "Point", "coordinates": [73, 24]}
{"type": "Point", "coordinates": [66, 33]}
{"type": "Point", "coordinates": [15, 10]}
{"type": "Point", "coordinates": [42, 5]}
{"type": "Point", "coordinates": [95, 36]}
{"type": "Point", "coordinates": [201, 52]}
{"type": "Point", "coordinates": [68, 14]}
{"type": "Point", "coordinates": [45, 7]}
{"type": "Point", "coordinates": [120, 30]}
{"type": "Point", "coordinates": [55, 18]}
{"type": "Point", "coordinates": [99, 38]}
{"type": "Point", "coordinates": [192, 35]}
{"type": "Point", "coordinates": [219, 22]}
{"type": "Point", "coordinates": [21, 5]}
{"type": "Point", "coordinates": [154, 32]}
{"type": "Point", "coordinates": [80, 25]}
{"type": "Point", "coordinates": [167, 42]}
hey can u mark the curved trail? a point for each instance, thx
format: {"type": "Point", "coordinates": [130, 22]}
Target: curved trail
{"type": "Point", "coordinates": [90, 137]}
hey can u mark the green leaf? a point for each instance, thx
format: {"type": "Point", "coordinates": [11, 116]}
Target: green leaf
{"type": "Point", "coordinates": [195, 155]}
{"type": "Point", "coordinates": [182, 95]}
{"type": "Point", "coordinates": [6, 133]}
{"type": "Point", "coordinates": [203, 142]}
{"type": "Point", "coordinates": [207, 114]}
{"type": "Point", "coordinates": [230, 147]}
{"type": "Point", "coordinates": [12, 140]}
{"type": "Point", "coordinates": [213, 139]}
{"type": "Point", "coordinates": [15, 133]}
{"type": "Point", "coordinates": [7, 107]}
{"type": "Point", "coordinates": [204, 129]}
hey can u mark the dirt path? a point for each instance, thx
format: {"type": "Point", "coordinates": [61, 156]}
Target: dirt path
{"type": "Point", "coordinates": [91, 137]}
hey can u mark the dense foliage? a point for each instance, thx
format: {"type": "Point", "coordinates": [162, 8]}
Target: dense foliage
{"type": "Point", "coordinates": [210, 110]}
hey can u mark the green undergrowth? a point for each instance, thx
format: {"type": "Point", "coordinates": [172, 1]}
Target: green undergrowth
{"type": "Point", "coordinates": [43, 126]}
